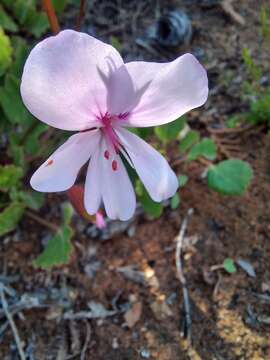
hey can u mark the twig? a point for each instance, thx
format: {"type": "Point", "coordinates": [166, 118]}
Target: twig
{"type": "Point", "coordinates": [81, 15]}
{"type": "Point", "coordinates": [87, 340]}
{"type": "Point", "coordinates": [227, 7]}
{"type": "Point", "coordinates": [11, 323]}
{"type": "Point", "coordinates": [48, 7]}
{"type": "Point", "coordinates": [230, 130]}
{"type": "Point", "coordinates": [180, 274]}
{"type": "Point", "coordinates": [41, 221]}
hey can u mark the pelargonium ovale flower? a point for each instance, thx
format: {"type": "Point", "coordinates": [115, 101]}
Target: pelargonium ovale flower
{"type": "Point", "coordinates": [75, 82]}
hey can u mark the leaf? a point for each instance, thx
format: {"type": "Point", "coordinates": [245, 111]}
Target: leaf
{"type": "Point", "coordinates": [175, 201]}
{"type": "Point", "coordinates": [59, 247]}
{"type": "Point", "coordinates": [5, 52]}
{"type": "Point", "coordinates": [247, 267]}
{"type": "Point", "coordinates": [206, 148]}
{"type": "Point", "coordinates": [115, 42]}
{"type": "Point", "coordinates": [67, 213]}
{"type": "Point", "coordinates": [229, 266]}
{"type": "Point", "coordinates": [189, 140]}
{"type": "Point", "coordinates": [32, 143]}
{"type": "Point", "coordinates": [59, 5]}
{"type": "Point", "coordinates": [10, 175]}
{"type": "Point", "coordinates": [151, 207]}
{"type": "Point", "coordinates": [6, 21]}
{"type": "Point", "coordinates": [11, 102]}
{"type": "Point", "coordinates": [10, 217]}
{"type": "Point", "coordinates": [21, 50]}
{"type": "Point", "coordinates": [182, 179]}
{"type": "Point", "coordinates": [33, 200]}
{"type": "Point", "coordinates": [16, 151]}
{"type": "Point", "coordinates": [57, 251]}
{"type": "Point", "coordinates": [230, 177]}
{"type": "Point", "coordinates": [169, 132]}
{"type": "Point", "coordinates": [37, 23]}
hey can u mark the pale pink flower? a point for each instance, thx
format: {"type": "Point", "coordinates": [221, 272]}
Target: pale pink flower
{"type": "Point", "coordinates": [75, 82]}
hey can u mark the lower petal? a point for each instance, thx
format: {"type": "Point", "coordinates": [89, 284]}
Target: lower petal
{"type": "Point", "coordinates": [92, 193]}
{"type": "Point", "coordinates": [107, 180]}
{"type": "Point", "coordinates": [153, 169]}
{"type": "Point", "coordinates": [60, 171]}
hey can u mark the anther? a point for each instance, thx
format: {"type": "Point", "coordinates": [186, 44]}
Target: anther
{"type": "Point", "coordinates": [114, 165]}
{"type": "Point", "coordinates": [106, 154]}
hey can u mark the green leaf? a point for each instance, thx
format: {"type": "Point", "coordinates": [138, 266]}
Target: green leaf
{"type": "Point", "coordinates": [142, 132]}
{"type": "Point", "coordinates": [67, 213]}
{"type": "Point", "coordinates": [115, 42]}
{"type": "Point", "coordinates": [10, 175]}
{"type": "Point", "coordinates": [21, 50]}
{"type": "Point", "coordinates": [59, 5]}
{"type": "Point", "coordinates": [57, 251]}
{"type": "Point", "coordinates": [260, 109]}
{"type": "Point", "coordinates": [229, 266]}
{"type": "Point", "coordinates": [169, 132]}
{"type": "Point", "coordinates": [6, 21]}
{"type": "Point", "coordinates": [253, 70]}
{"type": "Point", "coordinates": [230, 177]}
{"type": "Point", "coordinates": [206, 148]}
{"type": "Point", "coordinates": [32, 143]}
{"type": "Point", "coordinates": [33, 200]}
{"type": "Point", "coordinates": [59, 247]}
{"type": "Point", "coordinates": [16, 152]}
{"type": "Point", "coordinates": [182, 179]}
{"type": "Point", "coordinates": [189, 140]}
{"type": "Point", "coordinates": [37, 24]}
{"type": "Point", "coordinates": [11, 102]}
{"type": "Point", "coordinates": [233, 122]}
{"type": "Point", "coordinates": [175, 201]}
{"type": "Point", "coordinates": [151, 207]}
{"type": "Point", "coordinates": [10, 217]}
{"type": "Point", "coordinates": [5, 52]}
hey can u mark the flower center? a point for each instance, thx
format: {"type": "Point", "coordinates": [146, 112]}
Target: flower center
{"type": "Point", "coordinates": [112, 141]}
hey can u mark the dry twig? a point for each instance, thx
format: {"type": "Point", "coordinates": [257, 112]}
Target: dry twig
{"type": "Point", "coordinates": [11, 322]}
{"type": "Point", "coordinates": [42, 221]}
{"type": "Point", "coordinates": [180, 274]}
{"type": "Point", "coordinates": [87, 340]}
{"type": "Point", "coordinates": [229, 10]}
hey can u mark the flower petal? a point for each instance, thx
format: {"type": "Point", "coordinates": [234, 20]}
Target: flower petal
{"type": "Point", "coordinates": [170, 90]}
{"type": "Point", "coordinates": [113, 186]}
{"type": "Point", "coordinates": [60, 171]}
{"type": "Point", "coordinates": [153, 169]}
{"type": "Point", "coordinates": [93, 184]}
{"type": "Point", "coordinates": [65, 79]}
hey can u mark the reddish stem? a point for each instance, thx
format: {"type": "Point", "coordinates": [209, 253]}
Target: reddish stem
{"type": "Point", "coordinates": [48, 7]}
{"type": "Point", "coordinates": [80, 16]}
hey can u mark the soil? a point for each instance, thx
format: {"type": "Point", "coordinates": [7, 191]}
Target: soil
{"type": "Point", "coordinates": [230, 312]}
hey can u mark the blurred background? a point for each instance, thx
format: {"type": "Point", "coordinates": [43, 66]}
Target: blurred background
{"type": "Point", "coordinates": [70, 290]}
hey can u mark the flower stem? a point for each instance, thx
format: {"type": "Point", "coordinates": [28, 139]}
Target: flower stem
{"type": "Point", "coordinates": [81, 15]}
{"type": "Point", "coordinates": [48, 7]}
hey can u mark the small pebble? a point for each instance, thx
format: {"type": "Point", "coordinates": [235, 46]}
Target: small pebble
{"type": "Point", "coordinates": [145, 354]}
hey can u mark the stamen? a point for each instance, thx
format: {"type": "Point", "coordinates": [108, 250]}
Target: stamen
{"type": "Point", "coordinates": [106, 154]}
{"type": "Point", "coordinates": [114, 165]}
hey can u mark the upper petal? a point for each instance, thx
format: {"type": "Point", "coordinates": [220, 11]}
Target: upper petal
{"type": "Point", "coordinates": [153, 169]}
{"type": "Point", "coordinates": [65, 79]}
{"type": "Point", "coordinates": [167, 90]}
{"type": "Point", "coordinates": [60, 171]}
